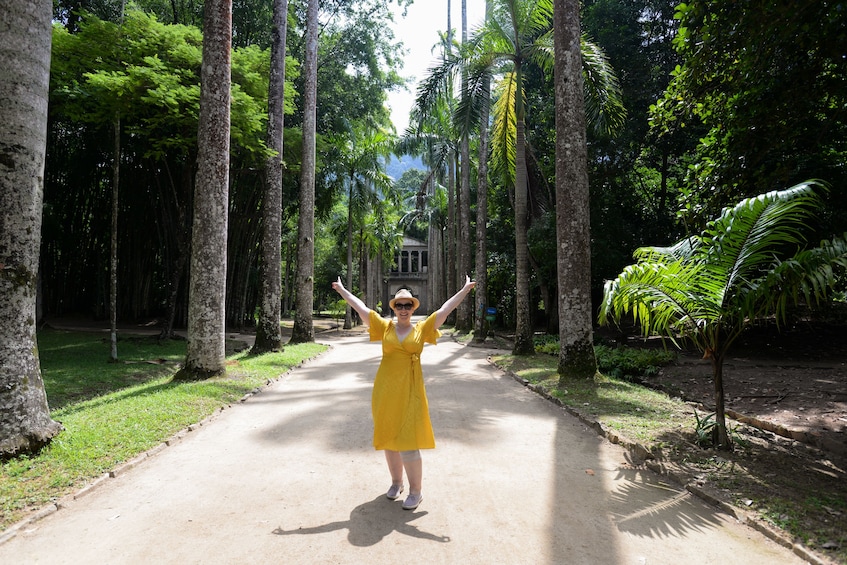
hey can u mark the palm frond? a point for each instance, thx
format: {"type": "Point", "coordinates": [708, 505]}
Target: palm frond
{"type": "Point", "coordinates": [669, 299]}
{"type": "Point", "coordinates": [810, 273]}
{"type": "Point", "coordinates": [504, 134]}
{"type": "Point", "coordinates": [437, 85]}
{"type": "Point", "coordinates": [682, 249]}
{"type": "Point", "coordinates": [750, 235]}
{"type": "Point", "coordinates": [532, 17]}
{"type": "Point", "coordinates": [541, 52]}
{"type": "Point", "coordinates": [604, 109]}
{"type": "Point", "coordinates": [748, 263]}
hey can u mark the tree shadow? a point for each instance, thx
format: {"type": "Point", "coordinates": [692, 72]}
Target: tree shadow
{"type": "Point", "coordinates": [644, 505]}
{"type": "Point", "coordinates": [370, 523]}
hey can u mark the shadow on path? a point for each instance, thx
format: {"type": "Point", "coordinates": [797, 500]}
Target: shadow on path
{"type": "Point", "coordinates": [370, 523]}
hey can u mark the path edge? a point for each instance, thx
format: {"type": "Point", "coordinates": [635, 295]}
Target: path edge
{"type": "Point", "coordinates": [122, 469]}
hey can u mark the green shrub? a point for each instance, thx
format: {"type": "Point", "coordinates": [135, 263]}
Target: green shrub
{"type": "Point", "coordinates": [631, 363]}
{"type": "Point", "coordinates": [626, 363]}
{"type": "Point", "coordinates": [548, 344]}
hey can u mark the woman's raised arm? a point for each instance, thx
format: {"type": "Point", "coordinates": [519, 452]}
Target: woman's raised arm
{"type": "Point", "coordinates": [353, 301]}
{"type": "Point", "coordinates": [453, 302]}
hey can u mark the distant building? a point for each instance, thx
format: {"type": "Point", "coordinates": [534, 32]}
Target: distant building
{"type": "Point", "coordinates": [411, 270]}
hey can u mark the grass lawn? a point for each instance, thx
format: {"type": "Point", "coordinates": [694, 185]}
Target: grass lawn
{"type": "Point", "coordinates": [637, 413]}
{"type": "Point", "coordinates": [790, 488]}
{"type": "Point", "coordinates": [113, 412]}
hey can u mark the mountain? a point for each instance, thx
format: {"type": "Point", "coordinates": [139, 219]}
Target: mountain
{"type": "Point", "coordinates": [398, 165]}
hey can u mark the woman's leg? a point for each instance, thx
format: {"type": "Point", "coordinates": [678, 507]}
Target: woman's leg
{"type": "Point", "coordinates": [395, 466]}
{"type": "Point", "coordinates": [414, 469]}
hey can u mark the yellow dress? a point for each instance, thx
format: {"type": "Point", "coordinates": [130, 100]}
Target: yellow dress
{"type": "Point", "coordinates": [398, 402]}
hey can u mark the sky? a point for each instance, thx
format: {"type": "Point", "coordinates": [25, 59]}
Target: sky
{"type": "Point", "coordinates": [419, 33]}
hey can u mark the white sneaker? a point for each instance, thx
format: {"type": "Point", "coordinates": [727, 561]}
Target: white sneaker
{"type": "Point", "coordinates": [394, 492]}
{"type": "Point", "coordinates": [412, 501]}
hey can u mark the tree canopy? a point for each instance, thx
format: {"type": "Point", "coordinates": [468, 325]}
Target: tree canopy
{"type": "Point", "coordinates": [719, 105]}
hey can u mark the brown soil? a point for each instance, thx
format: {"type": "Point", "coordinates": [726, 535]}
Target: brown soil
{"type": "Point", "coordinates": [787, 396]}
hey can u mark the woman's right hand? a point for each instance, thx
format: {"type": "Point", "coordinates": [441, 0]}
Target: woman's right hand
{"type": "Point", "coordinates": [338, 286]}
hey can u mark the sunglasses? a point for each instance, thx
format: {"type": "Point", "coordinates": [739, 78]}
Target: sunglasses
{"type": "Point", "coordinates": [403, 305]}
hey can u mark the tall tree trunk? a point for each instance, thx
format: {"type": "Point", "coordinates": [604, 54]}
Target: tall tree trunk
{"type": "Point", "coordinates": [181, 235]}
{"type": "Point", "coordinates": [524, 344]}
{"type": "Point", "coordinates": [113, 253]}
{"type": "Point", "coordinates": [206, 355]}
{"type": "Point", "coordinates": [25, 36]}
{"type": "Point", "coordinates": [450, 236]}
{"type": "Point", "coordinates": [286, 281]}
{"type": "Point", "coordinates": [303, 330]}
{"type": "Point", "coordinates": [113, 257]}
{"type": "Point", "coordinates": [481, 290]}
{"type": "Point", "coordinates": [268, 332]}
{"type": "Point", "coordinates": [348, 311]}
{"type": "Point", "coordinates": [464, 312]}
{"type": "Point", "coordinates": [450, 268]}
{"type": "Point", "coordinates": [573, 233]}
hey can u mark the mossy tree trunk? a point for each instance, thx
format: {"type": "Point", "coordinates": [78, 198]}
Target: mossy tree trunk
{"type": "Point", "coordinates": [206, 354]}
{"type": "Point", "coordinates": [25, 37]}
{"type": "Point", "coordinates": [573, 263]}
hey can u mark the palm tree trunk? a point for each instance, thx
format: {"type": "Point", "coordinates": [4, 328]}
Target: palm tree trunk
{"type": "Point", "coordinates": [721, 436]}
{"type": "Point", "coordinates": [573, 257]}
{"type": "Point", "coordinates": [268, 332]}
{"type": "Point", "coordinates": [481, 268]}
{"type": "Point", "coordinates": [348, 311]}
{"type": "Point", "coordinates": [524, 344]}
{"type": "Point", "coordinates": [206, 354]}
{"type": "Point", "coordinates": [25, 423]}
{"type": "Point", "coordinates": [303, 330]}
{"type": "Point", "coordinates": [481, 278]}
{"type": "Point", "coordinates": [113, 257]}
{"type": "Point", "coordinates": [451, 229]}
{"type": "Point", "coordinates": [464, 312]}
{"type": "Point", "coordinates": [113, 254]}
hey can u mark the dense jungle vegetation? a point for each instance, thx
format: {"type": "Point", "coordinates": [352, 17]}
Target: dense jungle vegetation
{"type": "Point", "coordinates": [723, 101]}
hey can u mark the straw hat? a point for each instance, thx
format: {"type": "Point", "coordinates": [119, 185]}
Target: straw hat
{"type": "Point", "coordinates": [404, 293]}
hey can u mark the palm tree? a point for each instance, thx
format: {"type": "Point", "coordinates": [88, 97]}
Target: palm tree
{"type": "Point", "coordinates": [434, 138]}
{"type": "Point", "coordinates": [464, 312]}
{"type": "Point", "coordinates": [303, 331]}
{"type": "Point", "coordinates": [361, 163]}
{"type": "Point", "coordinates": [206, 354]}
{"type": "Point", "coordinates": [268, 334]}
{"type": "Point", "coordinates": [748, 263]}
{"type": "Point", "coordinates": [381, 238]}
{"type": "Point", "coordinates": [481, 267]}
{"type": "Point", "coordinates": [25, 423]}
{"type": "Point", "coordinates": [518, 33]}
{"type": "Point", "coordinates": [511, 36]}
{"type": "Point", "coordinates": [573, 213]}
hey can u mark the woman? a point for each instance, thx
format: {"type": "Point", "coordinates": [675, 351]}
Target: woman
{"type": "Point", "coordinates": [398, 403]}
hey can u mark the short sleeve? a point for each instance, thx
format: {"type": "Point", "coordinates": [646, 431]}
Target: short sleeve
{"type": "Point", "coordinates": [377, 326]}
{"type": "Point", "coordinates": [429, 332]}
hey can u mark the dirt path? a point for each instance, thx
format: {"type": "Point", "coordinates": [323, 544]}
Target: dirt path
{"type": "Point", "coordinates": [792, 383]}
{"type": "Point", "coordinates": [289, 476]}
